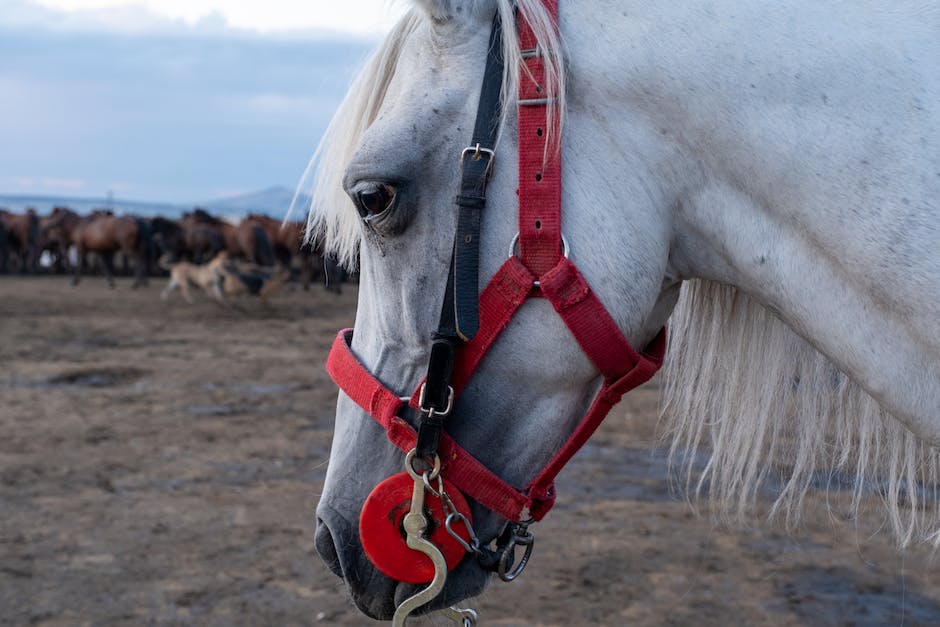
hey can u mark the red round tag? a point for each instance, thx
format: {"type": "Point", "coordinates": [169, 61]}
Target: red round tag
{"type": "Point", "coordinates": [383, 536]}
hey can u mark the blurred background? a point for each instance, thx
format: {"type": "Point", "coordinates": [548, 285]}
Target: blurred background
{"type": "Point", "coordinates": [148, 105]}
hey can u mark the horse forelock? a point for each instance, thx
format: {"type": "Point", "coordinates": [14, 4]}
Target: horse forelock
{"type": "Point", "coordinates": [767, 407]}
{"type": "Point", "coordinates": [331, 217]}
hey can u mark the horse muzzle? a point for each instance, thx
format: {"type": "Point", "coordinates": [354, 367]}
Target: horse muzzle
{"type": "Point", "coordinates": [337, 544]}
{"type": "Point", "coordinates": [374, 594]}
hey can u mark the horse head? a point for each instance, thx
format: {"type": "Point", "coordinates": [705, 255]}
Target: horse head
{"type": "Point", "coordinates": [200, 215]}
{"type": "Point", "coordinates": [58, 226]}
{"type": "Point", "coordinates": [400, 179]}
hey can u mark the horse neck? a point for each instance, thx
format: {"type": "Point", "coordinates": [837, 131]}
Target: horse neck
{"type": "Point", "coordinates": [846, 263]}
{"type": "Point", "coordinates": [782, 189]}
{"type": "Point", "coordinates": [799, 164]}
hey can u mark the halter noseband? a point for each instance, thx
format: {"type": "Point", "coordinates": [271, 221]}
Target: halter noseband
{"type": "Point", "coordinates": [469, 325]}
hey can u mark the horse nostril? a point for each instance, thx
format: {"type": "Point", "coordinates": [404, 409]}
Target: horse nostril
{"type": "Point", "coordinates": [326, 548]}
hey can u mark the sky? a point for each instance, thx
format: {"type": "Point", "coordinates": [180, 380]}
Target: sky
{"type": "Point", "coordinates": [173, 100]}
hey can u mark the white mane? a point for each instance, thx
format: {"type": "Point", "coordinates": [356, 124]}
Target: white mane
{"type": "Point", "coordinates": [738, 381]}
{"type": "Point", "coordinates": [762, 400]}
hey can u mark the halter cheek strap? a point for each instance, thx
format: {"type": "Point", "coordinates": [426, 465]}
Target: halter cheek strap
{"type": "Point", "coordinates": [540, 270]}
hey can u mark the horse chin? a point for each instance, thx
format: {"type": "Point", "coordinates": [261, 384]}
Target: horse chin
{"type": "Point", "coordinates": [377, 595]}
{"type": "Point", "coordinates": [465, 581]}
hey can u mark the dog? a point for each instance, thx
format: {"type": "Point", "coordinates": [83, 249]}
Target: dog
{"type": "Point", "coordinates": [223, 277]}
{"type": "Point", "coordinates": [209, 276]}
{"type": "Point", "coordinates": [247, 278]}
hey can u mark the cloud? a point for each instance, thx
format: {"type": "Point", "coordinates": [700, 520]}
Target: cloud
{"type": "Point", "coordinates": [279, 104]}
{"type": "Point", "coordinates": [43, 184]}
{"type": "Point", "coordinates": [358, 17]}
{"type": "Point", "coordinates": [58, 184]}
{"type": "Point", "coordinates": [24, 14]}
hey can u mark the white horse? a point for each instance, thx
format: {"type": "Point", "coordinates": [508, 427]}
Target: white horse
{"type": "Point", "coordinates": [779, 162]}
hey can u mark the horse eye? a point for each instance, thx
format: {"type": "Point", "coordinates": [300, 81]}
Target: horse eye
{"type": "Point", "coordinates": [374, 199]}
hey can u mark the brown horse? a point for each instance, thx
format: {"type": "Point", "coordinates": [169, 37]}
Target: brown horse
{"type": "Point", "coordinates": [19, 237]}
{"type": "Point", "coordinates": [4, 248]}
{"type": "Point", "coordinates": [168, 239]}
{"type": "Point", "coordinates": [52, 243]}
{"type": "Point", "coordinates": [104, 234]}
{"type": "Point", "coordinates": [247, 239]}
{"type": "Point", "coordinates": [202, 236]}
{"type": "Point", "coordinates": [287, 239]}
{"type": "Point", "coordinates": [254, 242]}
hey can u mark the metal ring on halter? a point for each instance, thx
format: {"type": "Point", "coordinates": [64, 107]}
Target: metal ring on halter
{"type": "Point", "coordinates": [515, 242]}
{"type": "Point", "coordinates": [507, 570]}
{"type": "Point", "coordinates": [429, 475]}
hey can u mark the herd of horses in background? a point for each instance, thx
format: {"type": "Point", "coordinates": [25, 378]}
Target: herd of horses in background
{"type": "Point", "coordinates": [63, 241]}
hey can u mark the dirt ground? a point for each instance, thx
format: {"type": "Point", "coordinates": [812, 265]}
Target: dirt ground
{"type": "Point", "coordinates": [160, 464]}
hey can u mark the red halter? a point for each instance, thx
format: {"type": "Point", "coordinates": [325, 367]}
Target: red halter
{"type": "Point", "coordinates": [541, 270]}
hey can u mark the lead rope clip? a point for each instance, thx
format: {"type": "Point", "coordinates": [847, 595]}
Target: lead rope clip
{"type": "Point", "coordinates": [466, 617]}
{"type": "Point", "coordinates": [415, 525]}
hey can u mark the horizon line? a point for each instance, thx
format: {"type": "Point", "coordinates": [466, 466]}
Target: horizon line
{"type": "Point", "coordinates": [115, 198]}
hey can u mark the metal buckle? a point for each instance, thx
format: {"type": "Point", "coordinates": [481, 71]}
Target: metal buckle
{"type": "Point", "coordinates": [477, 153]}
{"type": "Point", "coordinates": [431, 411]}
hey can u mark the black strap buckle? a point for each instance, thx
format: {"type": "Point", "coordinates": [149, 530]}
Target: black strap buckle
{"type": "Point", "coordinates": [434, 411]}
{"type": "Point", "coordinates": [477, 153]}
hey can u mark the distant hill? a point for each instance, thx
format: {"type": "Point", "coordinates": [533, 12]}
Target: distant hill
{"type": "Point", "coordinates": [273, 201]}
{"type": "Point", "coordinates": [44, 204]}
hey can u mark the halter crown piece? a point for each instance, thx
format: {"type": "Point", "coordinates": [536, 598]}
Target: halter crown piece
{"type": "Point", "coordinates": [438, 472]}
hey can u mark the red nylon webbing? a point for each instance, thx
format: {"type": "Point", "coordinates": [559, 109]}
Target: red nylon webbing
{"type": "Point", "coordinates": [462, 468]}
{"type": "Point", "coordinates": [365, 390]}
{"type": "Point", "coordinates": [504, 294]}
{"type": "Point", "coordinates": [543, 485]}
{"type": "Point", "coordinates": [588, 320]}
{"type": "Point", "coordinates": [539, 168]}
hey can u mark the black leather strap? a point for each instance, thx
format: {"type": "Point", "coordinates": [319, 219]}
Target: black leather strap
{"type": "Point", "coordinates": [436, 395]}
{"type": "Point", "coordinates": [476, 165]}
{"type": "Point", "coordinates": [459, 319]}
